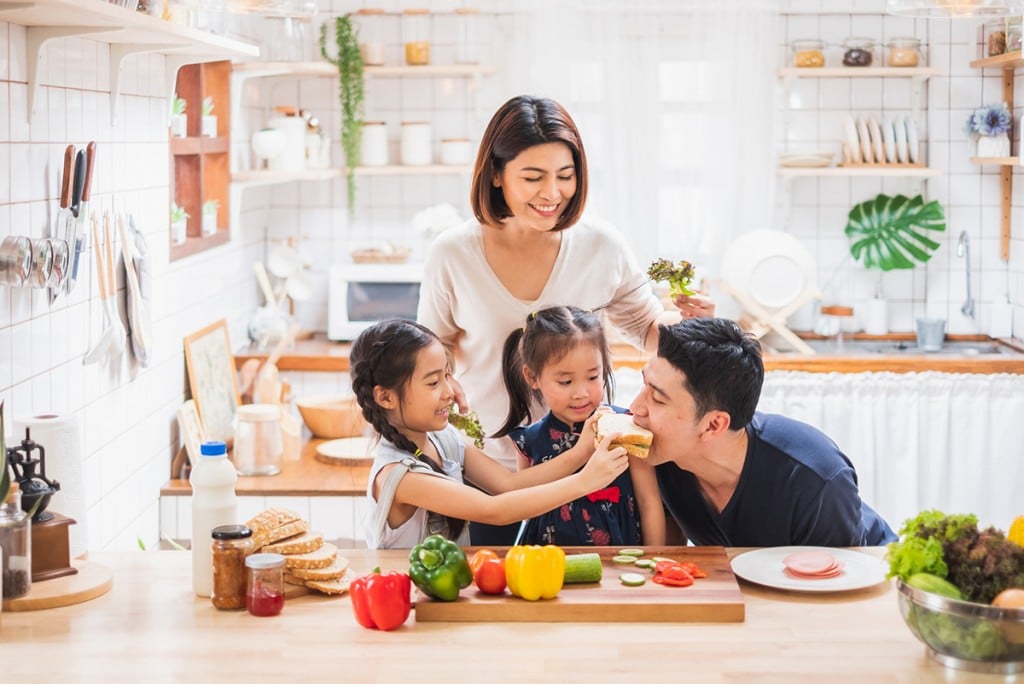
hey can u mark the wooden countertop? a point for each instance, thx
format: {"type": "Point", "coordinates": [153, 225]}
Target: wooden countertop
{"type": "Point", "coordinates": [304, 477]}
{"type": "Point", "coordinates": [320, 354]}
{"type": "Point", "coordinates": [150, 627]}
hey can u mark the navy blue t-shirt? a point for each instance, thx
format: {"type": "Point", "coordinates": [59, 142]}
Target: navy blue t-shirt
{"type": "Point", "coordinates": [796, 488]}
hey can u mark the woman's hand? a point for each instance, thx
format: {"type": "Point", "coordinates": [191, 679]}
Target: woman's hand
{"type": "Point", "coordinates": [586, 444]}
{"type": "Point", "coordinates": [695, 306]}
{"type": "Point", "coordinates": [605, 465]}
{"type": "Point", "coordinates": [459, 395]}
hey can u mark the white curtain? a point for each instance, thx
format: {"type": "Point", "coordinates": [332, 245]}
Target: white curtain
{"type": "Point", "coordinates": [918, 440]}
{"type": "Point", "coordinates": [674, 100]}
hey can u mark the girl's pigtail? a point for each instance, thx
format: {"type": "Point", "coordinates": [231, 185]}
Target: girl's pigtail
{"type": "Point", "coordinates": [515, 384]}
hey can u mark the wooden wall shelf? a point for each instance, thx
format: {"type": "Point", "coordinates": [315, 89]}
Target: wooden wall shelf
{"type": "Point", "coordinates": [1008, 63]}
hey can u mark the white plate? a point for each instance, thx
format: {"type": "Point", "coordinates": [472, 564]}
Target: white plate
{"type": "Point", "coordinates": [764, 566]}
{"type": "Point", "coordinates": [358, 449]}
{"type": "Point", "coordinates": [900, 129]}
{"type": "Point", "coordinates": [889, 138]}
{"type": "Point", "coordinates": [853, 145]}
{"type": "Point", "coordinates": [913, 146]}
{"type": "Point", "coordinates": [806, 160]}
{"type": "Point", "coordinates": [878, 146]}
{"type": "Point", "coordinates": [865, 141]}
{"type": "Point", "coordinates": [771, 267]}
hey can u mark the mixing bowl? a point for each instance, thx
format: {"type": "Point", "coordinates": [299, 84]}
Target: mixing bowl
{"type": "Point", "coordinates": [965, 635]}
{"type": "Point", "coordinates": [332, 416]}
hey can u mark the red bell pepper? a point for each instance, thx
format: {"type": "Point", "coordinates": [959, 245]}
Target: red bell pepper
{"type": "Point", "coordinates": [381, 600]}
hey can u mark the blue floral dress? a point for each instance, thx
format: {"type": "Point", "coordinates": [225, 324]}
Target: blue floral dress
{"type": "Point", "coordinates": [607, 517]}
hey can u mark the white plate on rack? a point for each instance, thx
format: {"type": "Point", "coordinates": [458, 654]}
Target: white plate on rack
{"type": "Point", "coordinates": [913, 144]}
{"type": "Point", "coordinates": [771, 267]}
{"type": "Point", "coordinates": [900, 131]}
{"type": "Point", "coordinates": [852, 144]}
{"type": "Point", "coordinates": [889, 140]}
{"type": "Point", "coordinates": [764, 566]}
{"type": "Point", "coordinates": [877, 146]}
{"type": "Point", "coordinates": [865, 141]}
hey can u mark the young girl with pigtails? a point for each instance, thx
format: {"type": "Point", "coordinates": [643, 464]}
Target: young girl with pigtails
{"type": "Point", "coordinates": [560, 357]}
{"type": "Point", "coordinates": [418, 481]}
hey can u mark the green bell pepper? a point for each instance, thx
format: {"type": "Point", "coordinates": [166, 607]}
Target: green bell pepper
{"type": "Point", "coordinates": [439, 568]}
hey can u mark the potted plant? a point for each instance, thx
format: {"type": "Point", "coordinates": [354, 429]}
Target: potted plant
{"type": "Point", "coordinates": [350, 74]}
{"type": "Point", "coordinates": [210, 208]}
{"type": "Point", "coordinates": [179, 224]}
{"type": "Point", "coordinates": [888, 233]}
{"type": "Point", "coordinates": [208, 122]}
{"type": "Point", "coordinates": [990, 127]}
{"type": "Point", "coordinates": [179, 120]}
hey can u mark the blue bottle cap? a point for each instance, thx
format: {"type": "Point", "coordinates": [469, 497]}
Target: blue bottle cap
{"type": "Point", "coordinates": [213, 448]}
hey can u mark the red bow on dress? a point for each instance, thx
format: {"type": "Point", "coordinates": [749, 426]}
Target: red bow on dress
{"type": "Point", "coordinates": [606, 494]}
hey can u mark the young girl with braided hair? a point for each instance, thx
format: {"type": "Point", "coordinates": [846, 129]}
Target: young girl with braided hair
{"type": "Point", "coordinates": [560, 359]}
{"type": "Point", "coordinates": [401, 380]}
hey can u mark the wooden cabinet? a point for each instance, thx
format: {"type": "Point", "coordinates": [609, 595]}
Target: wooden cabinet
{"type": "Point", "coordinates": [201, 165]}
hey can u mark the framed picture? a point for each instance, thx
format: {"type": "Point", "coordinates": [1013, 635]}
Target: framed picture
{"type": "Point", "coordinates": [212, 379]}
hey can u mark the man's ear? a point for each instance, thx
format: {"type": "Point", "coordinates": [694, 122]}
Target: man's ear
{"type": "Point", "coordinates": [385, 398]}
{"type": "Point", "coordinates": [715, 423]}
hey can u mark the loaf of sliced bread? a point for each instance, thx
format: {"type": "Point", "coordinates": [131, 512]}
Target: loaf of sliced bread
{"type": "Point", "coordinates": [272, 525]}
{"type": "Point", "coordinates": [285, 531]}
{"type": "Point", "coordinates": [320, 558]}
{"type": "Point", "coordinates": [300, 543]}
{"type": "Point", "coordinates": [333, 571]}
{"type": "Point", "coordinates": [334, 586]}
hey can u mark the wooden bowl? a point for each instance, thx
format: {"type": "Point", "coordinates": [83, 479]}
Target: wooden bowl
{"type": "Point", "coordinates": [332, 416]}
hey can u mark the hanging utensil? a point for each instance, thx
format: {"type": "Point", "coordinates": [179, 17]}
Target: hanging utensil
{"type": "Point", "coordinates": [77, 244]}
{"type": "Point", "coordinates": [141, 334]}
{"type": "Point", "coordinates": [61, 227]}
{"type": "Point", "coordinates": [100, 346]}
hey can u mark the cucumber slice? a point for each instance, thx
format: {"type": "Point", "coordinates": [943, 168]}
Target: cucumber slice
{"type": "Point", "coordinates": [632, 579]}
{"type": "Point", "coordinates": [658, 559]}
{"type": "Point", "coordinates": [623, 560]}
{"type": "Point", "coordinates": [647, 563]}
{"type": "Point", "coordinates": [631, 552]}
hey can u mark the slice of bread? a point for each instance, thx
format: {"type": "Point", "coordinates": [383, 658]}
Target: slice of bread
{"type": "Point", "coordinates": [333, 571]}
{"type": "Point", "coordinates": [320, 558]}
{"type": "Point", "coordinates": [635, 439]}
{"type": "Point", "coordinates": [300, 543]}
{"type": "Point", "coordinates": [276, 534]}
{"type": "Point", "coordinates": [334, 586]}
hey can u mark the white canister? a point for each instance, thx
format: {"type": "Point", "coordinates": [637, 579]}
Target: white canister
{"type": "Point", "coordinates": [416, 143]}
{"type": "Point", "coordinates": [374, 149]}
{"type": "Point", "coordinates": [292, 157]}
{"type": "Point", "coordinates": [456, 151]}
{"type": "Point", "coordinates": [876, 318]}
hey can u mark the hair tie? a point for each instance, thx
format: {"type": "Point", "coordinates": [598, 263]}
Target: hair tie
{"type": "Point", "coordinates": [533, 315]}
{"type": "Point", "coordinates": [417, 453]}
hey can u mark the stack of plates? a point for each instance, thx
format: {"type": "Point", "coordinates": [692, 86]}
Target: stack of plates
{"type": "Point", "coordinates": [891, 141]}
{"type": "Point", "coordinates": [807, 160]}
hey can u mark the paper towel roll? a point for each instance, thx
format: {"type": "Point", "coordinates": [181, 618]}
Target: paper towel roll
{"type": "Point", "coordinates": [61, 437]}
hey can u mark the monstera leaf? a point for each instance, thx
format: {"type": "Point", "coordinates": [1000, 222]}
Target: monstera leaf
{"type": "Point", "coordinates": [892, 232]}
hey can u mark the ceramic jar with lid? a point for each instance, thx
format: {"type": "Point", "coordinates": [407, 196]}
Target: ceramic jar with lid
{"type": "Point", "coordinates": [904, 52]}
{"type": "Point", "coordinates": [258, 447]}
{"type": "Point", "coordinates": [416, 143]}
{"type": "Point", "coordinates": [416, 36]}
{"type": "Point", "coordinates": [808, 52]}
{"type": "Point", "coordinates": [466, 19]}
{"type": "Point", "coordinates": [373, 149]}
{"type": "Point", "coordinates": [858, 51]}
{"type": "Point", "coordinates": [371, 35]}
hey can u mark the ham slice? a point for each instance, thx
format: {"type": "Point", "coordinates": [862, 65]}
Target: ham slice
{"type": "Point", "coordinates": [815, 564]}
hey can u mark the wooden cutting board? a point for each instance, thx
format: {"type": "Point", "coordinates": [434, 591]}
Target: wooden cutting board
{"type": "Point", "coordinates": [91, 580]}
{"type": "Point", "coordinates": [716, 598]}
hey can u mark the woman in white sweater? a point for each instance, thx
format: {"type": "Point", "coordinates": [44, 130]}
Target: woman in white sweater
{"type": "Point", "coordinates": [482, 279]}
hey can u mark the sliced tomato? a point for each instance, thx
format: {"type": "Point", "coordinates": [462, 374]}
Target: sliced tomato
{"type": "Point", "coordinates": [673, 576]}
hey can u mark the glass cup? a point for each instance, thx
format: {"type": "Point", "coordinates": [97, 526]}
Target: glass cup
{"type": "Point", "coordinates": [931, 333]}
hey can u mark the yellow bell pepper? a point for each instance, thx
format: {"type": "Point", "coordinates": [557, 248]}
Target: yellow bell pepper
{"type": "Point", "coordinates": [535, 572]}
{"type": "Point", "coordinates": [1016, 533]}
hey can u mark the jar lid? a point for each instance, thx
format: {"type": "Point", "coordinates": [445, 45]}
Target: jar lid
{"type": "Point", "coordinates": [836, 310]}
{"type": "Point", "coordinates": [467, 10]}
{"type": "Point", "coordinates": [808, 44]}
{"type": "Point", "coordinates": [264, 561]}
{"type": "Point", "coordinates": [231, 532]}
{"type": "Point", "coordinates": [370, 10]}
{"type": "Point", "coordinates": [454, 140]}
{"type": "Point", "coordinates": [904, 41]}
{"type": "Point", "coordinates": [373, 123]}
{"type": "Point", "coordinates": [259, 412]}
{"type": "Point", "coordinates": [213, 448]}
{"type": "Point", "coordinates": [415, 123]}
{"type": "Point", "coordinates": [858, 41]}
{"type": "Point", "coordinates": [416, 10]}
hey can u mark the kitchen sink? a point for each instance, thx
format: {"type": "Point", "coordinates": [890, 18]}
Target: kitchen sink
{"type": "Point", "coordinates": [848, 347]}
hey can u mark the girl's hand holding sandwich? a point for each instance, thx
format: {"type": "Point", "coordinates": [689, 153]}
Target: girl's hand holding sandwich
{"type": "Point", "coordinates": [605, 465]}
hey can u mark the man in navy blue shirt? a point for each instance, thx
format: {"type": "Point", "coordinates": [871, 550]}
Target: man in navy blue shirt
{"type": "Point", "coordinates": [731, 476]}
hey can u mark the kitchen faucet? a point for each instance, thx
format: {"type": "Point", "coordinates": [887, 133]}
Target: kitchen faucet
{"type": "Point", "coordinates": [963, 250]}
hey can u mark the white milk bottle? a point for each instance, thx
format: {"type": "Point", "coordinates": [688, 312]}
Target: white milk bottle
{"type": "Point", "coordinates": [214, 504]}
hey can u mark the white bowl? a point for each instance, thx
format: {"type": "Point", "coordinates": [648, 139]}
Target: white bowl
{"type": "Point", "coordinates": [268, 143]}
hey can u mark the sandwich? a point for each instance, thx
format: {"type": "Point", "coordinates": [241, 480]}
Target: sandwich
{"type": "Point", "coordinates": [635, 439]}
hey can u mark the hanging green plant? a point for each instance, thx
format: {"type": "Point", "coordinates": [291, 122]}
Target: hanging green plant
{"type": "Point", "coordinates": [350, 92]}
{"type": "Point", "coordinates": [892, 232]}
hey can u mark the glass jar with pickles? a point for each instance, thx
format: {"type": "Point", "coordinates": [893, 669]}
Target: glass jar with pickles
{"type": "Point", "coordinates": [808, 52]}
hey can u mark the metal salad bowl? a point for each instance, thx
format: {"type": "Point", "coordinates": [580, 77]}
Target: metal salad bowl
{"type": "Point", "coordinates": [965, 635]}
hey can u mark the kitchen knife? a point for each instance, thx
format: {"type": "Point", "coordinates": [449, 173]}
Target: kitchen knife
{"type": "Point", "coordinates": [83, 211]}
{"type": "Point", "coordinates": [62, 226]}
{"type": "Point", "coordinates": [76, 188]}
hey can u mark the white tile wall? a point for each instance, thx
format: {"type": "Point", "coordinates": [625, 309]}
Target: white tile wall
{"type": "Point", "coordinates": [127, 412]}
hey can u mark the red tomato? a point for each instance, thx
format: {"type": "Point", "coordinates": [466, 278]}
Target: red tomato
{"type": "Point", "coordinates": [479, 557]}
{"type": "Point", "coordinates": [490, 576]}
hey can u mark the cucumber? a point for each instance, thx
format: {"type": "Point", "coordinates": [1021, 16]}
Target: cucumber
{"type": "Point", "coordinates": [631, 552]}
{"type": "Point", "coordinates": [582, 568]}
{"type": "Point", "coordinates": [647, 563]}
{"type": "Point", "coordinates": [934, 584]}
{"type": "Point", "coordinates": [624, 560]}
{"type": "Point", "coordinates": [632, 579]}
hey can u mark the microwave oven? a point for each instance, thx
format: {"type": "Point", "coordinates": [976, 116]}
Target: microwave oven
{"type": "Point", "coordinates": [359, 295]}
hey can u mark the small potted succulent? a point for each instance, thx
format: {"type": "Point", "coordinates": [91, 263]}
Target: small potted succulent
{"type": "Point", "coordinates": [179, 119]}
{"type": "Point", "coordinates": [210, 216]}
{"type": "Point", "coordinates": [208, 122]}
{"type": "Point", "coordinates": [990, 127]}
{"type": "Point", "coordinates": [179, 224]}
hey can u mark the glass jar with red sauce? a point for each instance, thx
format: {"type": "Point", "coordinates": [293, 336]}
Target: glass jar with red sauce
{"type": "Point", "coordinates": [264, 589]}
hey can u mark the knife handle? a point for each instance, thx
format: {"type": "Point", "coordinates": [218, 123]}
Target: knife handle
{"type": "Point", "coordinates": [90, 159]}
{"type": "Point", "coordinates": [76, 194]}
{"type": "Point", "coordinates": [65, 188]}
